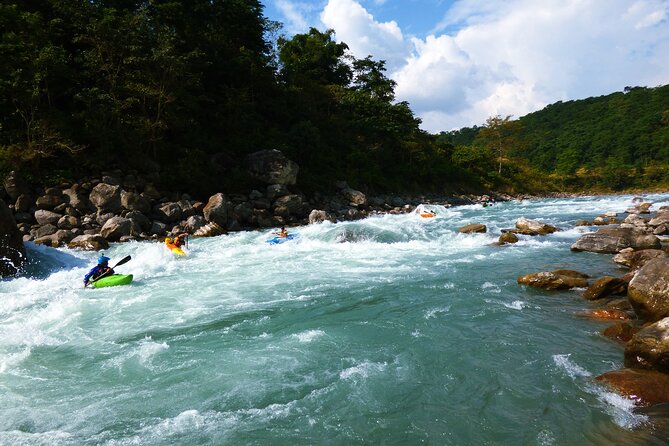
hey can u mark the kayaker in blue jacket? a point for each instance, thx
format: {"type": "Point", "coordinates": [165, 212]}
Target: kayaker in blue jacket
{"type": "Point", "coordinates": [99, 270]}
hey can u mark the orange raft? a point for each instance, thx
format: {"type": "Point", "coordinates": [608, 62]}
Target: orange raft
{"type": "Point", "coordinates": [174, 248]}
{"type": "Point", "coordinates": [427, 214]}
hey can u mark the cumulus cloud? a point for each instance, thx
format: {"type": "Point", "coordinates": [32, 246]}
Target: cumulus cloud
{"type": "Point", "coordinates": [511, 57]}
{"type": "Point", "coordinates": [365, 36]}
{"type": "Point", "coordinates": [296, 14]}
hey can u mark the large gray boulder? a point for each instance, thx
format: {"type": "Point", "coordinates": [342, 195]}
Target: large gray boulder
{"type": "Point", "coordinates": [272, 167]}
{"type": "Point", "coordinates": [614, 240]}
{"type": "Point", "coordinates": [115, 228]}
{"type": "Point", "coordinates": [216, 210]}
{"type": "Point", "coordinates": [89, 242]}
{"type": "Point", "coordinates": [648, 291]}
{"type": "Point", "coordinates": [135, 202]}
{"type": "Point", "coordinates": [43, 217]}
{"type": "Point", "coordinates": [106, 197]}
{"type": "Point", "coordinates": [78, 199]}
{"type": "Point", "coordinates": [12, 251]}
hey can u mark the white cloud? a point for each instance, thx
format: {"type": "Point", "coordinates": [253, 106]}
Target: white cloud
{"type": "Point", "coordinates": [512, 57]}
{"type": "Point", "coordinates": [365, 36]}
{"type": "Point", "coordinates": [295, 14]}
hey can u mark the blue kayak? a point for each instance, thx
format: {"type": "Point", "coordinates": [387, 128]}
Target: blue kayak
{"type": "Point", "coordinates": [276, 240]}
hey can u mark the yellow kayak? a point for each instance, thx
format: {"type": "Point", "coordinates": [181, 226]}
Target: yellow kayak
{"type": "Point", "coordinates": [175, 249]}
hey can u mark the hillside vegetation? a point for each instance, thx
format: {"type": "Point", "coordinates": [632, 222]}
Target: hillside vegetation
{"type": "Point", "coordinates": [187, 89]}
{"type": "Point", "coordinates": [613, 142]}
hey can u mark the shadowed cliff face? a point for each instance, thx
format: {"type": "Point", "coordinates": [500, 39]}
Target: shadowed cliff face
{"type": "Point", "coordinates": [12, 251]}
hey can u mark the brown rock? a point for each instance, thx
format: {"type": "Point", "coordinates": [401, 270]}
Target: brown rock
{"type": "Point", "coordinates": [649, 347]}
{"type": "Point", "coordinates": [473, 228]}
{"type": "Point", "coordinates": [508, 237]}
{"type": "Point", "coordinates": [645, 387]}
{"type": "Point", "coordinates": [648, 292]}
{"type": "Point", "coordinates": [606, 286]}
{"type": "Point", "coordinates": [621, 331]}
{"type": "Point", "coordinates": [551, 281]}
{"type": "Point", "coordinates": [604, 314]}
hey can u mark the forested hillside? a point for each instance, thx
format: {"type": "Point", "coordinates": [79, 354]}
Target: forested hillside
{"type": "Point", "coordinates": [189, 88]}
{"type": "Point", "coordinates": [186, 89]}
{"type": "Point", "coordinates": [610, 142]}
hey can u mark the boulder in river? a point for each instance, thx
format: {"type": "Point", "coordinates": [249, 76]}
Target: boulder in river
{"type": "Point", "coordinates": [649, 347]}
{"type": "Point", "coordinates": [12, 250]}
{"type": "Point", "coordinates": [645, 387]}
{"type": "Point", "coordinates": [555, 280]}
{"type": "Point", "coordinates": [648, 291]}
{"type": "Point", "coordinates": [614, 240]}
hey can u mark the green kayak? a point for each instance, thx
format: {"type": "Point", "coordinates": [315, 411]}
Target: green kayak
{"type": "Point", "coordinates": [113, 280]}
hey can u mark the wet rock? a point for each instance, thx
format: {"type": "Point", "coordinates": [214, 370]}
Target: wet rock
{"type": "Point", "coordinates": [636, 259]}
{"type": "Point", "coordinates": [613, 240]}
{"type": "Point", "coordinates": [621, 331]}
{"type": "Point", "coordinates": [606, 286]}
{"type": "Point", "coordinates": [139, 219]}
{"type": "Point", "coordinates": [605, 314]}
{"type": "Point", "coordinates": [276, 190]}
{"type": "Point", "coordinates": [473, 228]}
{"type": "Point", "coordinates": [533, 227]}
{"type": "Point", "coordinates": [645, 387]}
{"type": "Point", "coordinates": [243, 212]}
{"type": "Point", "coordinates": [554, 280]}
{"type": "Point", "coordinates": [648, 291]}
{"type": "Point", "coordinates": [508, 237]}
{"type": "Point", "coordinates": [649, 347]}
{"type": "Point", "coordinates": [12, 250]}
{"type": "Point", "coordinates": [23, 203]}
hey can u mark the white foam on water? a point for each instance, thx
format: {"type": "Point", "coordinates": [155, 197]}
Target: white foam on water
{"type": "Point", "coordinates": [309, 335]}
{"type": "Point", "coordinates": [13, 359]}
{"type": "Point", "coordinates": [571, 368]}
{"type": "Point", "coordinates": [364, 370]}
{"type": "Point", "coordinates": [436, 311]}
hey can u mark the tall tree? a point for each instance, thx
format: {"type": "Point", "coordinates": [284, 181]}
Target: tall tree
{"type": "Point", "coordinates": [500, 135]}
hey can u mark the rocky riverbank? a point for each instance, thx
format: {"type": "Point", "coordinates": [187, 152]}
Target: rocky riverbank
{"type": "Point", "coordinates": [638, 300]}
{"type": "Point", "coordinates": [119, 206]}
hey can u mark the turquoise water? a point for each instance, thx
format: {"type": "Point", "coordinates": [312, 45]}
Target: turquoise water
{"type": "Point", "coordinates": [392, 330]}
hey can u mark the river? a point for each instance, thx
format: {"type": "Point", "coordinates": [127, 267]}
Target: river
{"type": "Point", "coordinates": [393, 330]}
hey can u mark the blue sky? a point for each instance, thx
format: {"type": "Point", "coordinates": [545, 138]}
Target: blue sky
{"type": "Point", "coordinates": [458, 62]}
